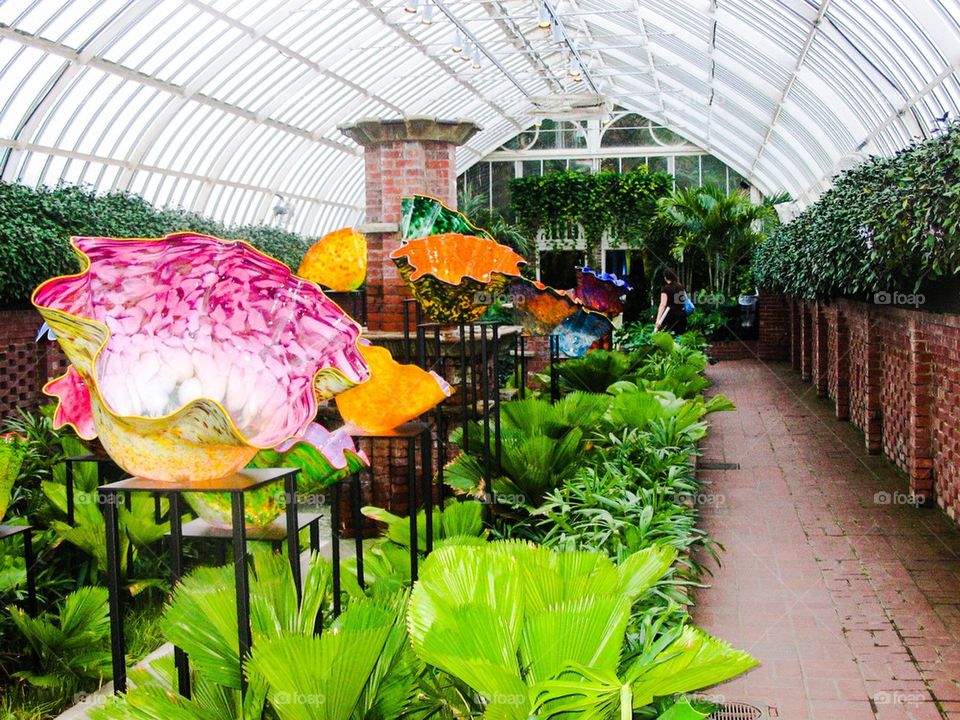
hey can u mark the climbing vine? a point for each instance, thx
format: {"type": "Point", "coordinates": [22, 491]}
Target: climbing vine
{"type": "Point", "coordinates": [564, 203]}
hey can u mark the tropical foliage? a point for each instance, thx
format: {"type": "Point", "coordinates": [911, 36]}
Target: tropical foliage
{"type": "Point", "coordinates": [71, 648]}
{"type": "Point", "coordinates": [585, 622]}
{"type": "Point", "coordinates": [35, 227]}
{"type": "Point", "coordinates": [716, 229]}
{"type": "Point", "coordinates": [565, 203]}
{"type": "Point", "coordinates": [538, 633]}
{"type": "Point", "coordinates": [889, 224]}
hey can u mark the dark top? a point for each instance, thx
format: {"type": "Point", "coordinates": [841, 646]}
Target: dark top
{"type": "Point", "coordinates": [676, 320]}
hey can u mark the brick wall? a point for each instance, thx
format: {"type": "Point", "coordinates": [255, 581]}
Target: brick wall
{"type": "Point", "coordinates": [395, 170]}
{"type": "Point", "coordinates": [894, 389]}
{"type": "Point", "coordinates": [402, 157]}
{"type": "Point", "coordinates": [895, 374]}
{"type": "Point", "coordinates": [25, 365]}
{"type": "Point", "coordinates": [774, 317]}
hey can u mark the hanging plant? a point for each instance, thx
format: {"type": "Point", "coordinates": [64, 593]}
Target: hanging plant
{"type": "Point", "coordinates": [563, 204]}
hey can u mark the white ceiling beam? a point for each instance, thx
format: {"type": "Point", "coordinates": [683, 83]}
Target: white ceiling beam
{"type": "Point", "coordinates": [808, 43]}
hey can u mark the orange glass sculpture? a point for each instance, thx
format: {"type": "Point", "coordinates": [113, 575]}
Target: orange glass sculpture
{"type": "Point", "coordinates": [337, 261]}
{"type": "Point", "coordinates": [538, 307]}
{"type": "Point", "coordinates": [393, 395]}
{"type": "Point", "coordinates": [454, 276]}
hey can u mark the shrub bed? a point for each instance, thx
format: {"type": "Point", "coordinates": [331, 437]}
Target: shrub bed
{"type": "Point", "coordinates": [556, 588]}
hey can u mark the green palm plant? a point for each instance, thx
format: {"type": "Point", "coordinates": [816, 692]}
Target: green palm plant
{"type": "Point", "coordinates": [154, 697]}
{"type": "Point", "coordinates": [531, 463]}
{"type": "Point", "coordinates": [361, 668]}
{"type": "Point", "coordinates": [540, 446]}
{"type": "Point", "coordinates": [541, 634]}
{"type": "Point", "coordinates": [201, 619]}
{"type": "Point", "coordinates": [597, 370]}
{"type": "Point", "coordinates": [72, 646]}
{"type": "Point", "coordinates": [720, 227]}
{"type": "Point", "coordinates": [386, 567]}
{"type": "Point", "coordinates": [138, 525]}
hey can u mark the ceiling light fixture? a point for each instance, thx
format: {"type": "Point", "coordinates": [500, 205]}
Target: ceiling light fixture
{"type": "Point", "coordinates": [411, 5]}
{"type": "Point", "coordinates": [544, 21]}
{"type": "Point", "coordinates": [427, 18]}
{"type": "Point", "coordinates": [457, 46]}
{"type": "Point", "coordinates": [557, 32]}
{"type": "Point", "coordinates": [477, 64]}
{"type": "Point", "coordinates": [467, 52]}
{"type": "Point", "coordinates": [575, 69]}
{"type": "Point", "coordinates": [607, 119]}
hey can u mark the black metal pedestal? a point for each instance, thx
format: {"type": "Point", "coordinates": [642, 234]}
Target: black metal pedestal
{"type": "Point", "coordinates": [274, 533]}
{"type": "Point", "coordinates": [410, 434]}
{"type": "Point", "coordinates": [237, 484]}
{"type": "Point", "coordinates": [29, 560]}
{"type": "Point", "coordinates": [107, 471]}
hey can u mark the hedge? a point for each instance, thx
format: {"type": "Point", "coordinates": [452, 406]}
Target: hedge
{"type": "Point", "coordinates": [890, 224]}
{"type": "Point", "coordinates": [35, 227]}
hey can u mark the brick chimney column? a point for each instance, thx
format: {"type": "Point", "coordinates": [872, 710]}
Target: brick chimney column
{"type": "Point", "coordinates": [402, 157]}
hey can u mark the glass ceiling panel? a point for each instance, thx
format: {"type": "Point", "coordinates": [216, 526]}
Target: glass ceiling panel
{"type": "Point", "coordinates": [219, 104]}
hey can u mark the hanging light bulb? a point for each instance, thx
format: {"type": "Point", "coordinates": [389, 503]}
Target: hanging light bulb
{"type": "Point", "coordinates": [411, 5]}
{"type": "Point", "coordinates": [537, 121]}
{"type": "Point", "coordinates": [557, 33]}
{"type": "Point", "coordinates": [607, 119]}
{"type": "Point", "coordinates": [544, 21]}
{"type": "Point", "coordinates": [457, 46]}
{"type": "Point", "coordinates": [427, 18]}
{"type": "Point", "coordinates": [477, 64]}
{"type": "Point", "coordinates": [574, 70]}
{"type": "Point", "coordinates": [467, 52]}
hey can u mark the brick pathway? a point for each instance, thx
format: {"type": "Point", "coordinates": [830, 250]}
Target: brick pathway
{"type": "Point", "coordinates": [848, 596]}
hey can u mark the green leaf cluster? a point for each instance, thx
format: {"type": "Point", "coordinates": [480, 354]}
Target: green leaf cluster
{"type": "Point", "coordinates": [886, 225]}
{"type": "Point", "coordinates": [36, 225]}
{"type": "Point", "coordinates": [623, 205]}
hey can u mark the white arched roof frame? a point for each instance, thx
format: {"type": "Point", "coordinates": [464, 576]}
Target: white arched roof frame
{"type": "Point", "coordinates": [227, 107]}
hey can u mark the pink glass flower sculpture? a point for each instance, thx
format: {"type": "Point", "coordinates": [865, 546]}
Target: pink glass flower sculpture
{"type": "Point", "coordinates": [189, 353]}
{"type": "Point", "coordinates": [600, 291]}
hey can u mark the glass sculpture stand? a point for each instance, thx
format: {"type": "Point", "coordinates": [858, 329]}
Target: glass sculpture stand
{"type": "Point", "coordinates": [107, 470]}
{"type": "Point", "coordinates": [29, 560]}
{"type": "Point", "coordinates": [236, 485]}
{"type": "Point", "coordinates": [274, 533]}
{"type": "Point", "coordinates": [409, 434]}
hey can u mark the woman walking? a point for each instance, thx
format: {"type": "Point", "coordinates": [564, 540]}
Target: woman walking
{"type": "Point", "coordinates": [672, 313]}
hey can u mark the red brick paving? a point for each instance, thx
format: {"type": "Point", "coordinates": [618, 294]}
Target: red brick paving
{"type": "Point", "coordinates": [848, 595]}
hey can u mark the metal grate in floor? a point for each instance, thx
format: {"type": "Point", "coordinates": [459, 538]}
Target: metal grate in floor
{"type": "Point", "coordinates": [737, 711]}
{"type": "Point", "coordinates": [715, 465]}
